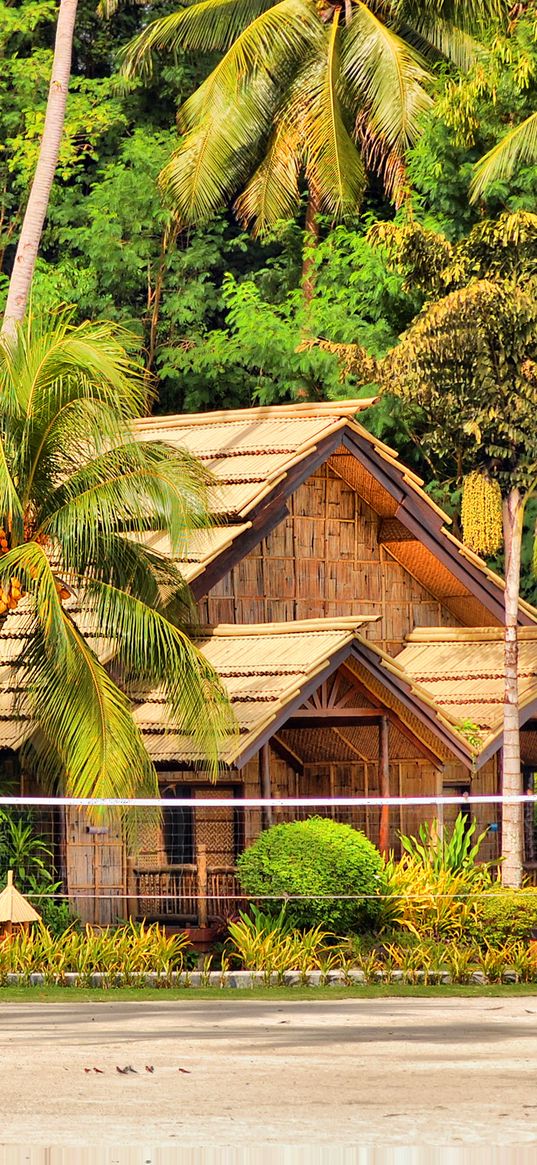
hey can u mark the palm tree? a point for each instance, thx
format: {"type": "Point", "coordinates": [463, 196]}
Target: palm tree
{"type": "Point", "coordinates": [517, 148]}
{"type": "Point", "coordinates": [79, 498]}
{"type": "Point", "coordinates": [37, 206]}
{"type": "Point", "coordinates": [309, 90]}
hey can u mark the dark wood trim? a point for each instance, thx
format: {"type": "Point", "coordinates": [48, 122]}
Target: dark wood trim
{"type": "Point", "coordinates": [464, 571]}
{"type": "Point", "coordinates": [436, 761]}
{"type": "Point", "coordinates": [527, 713]}
{"type": "Point", "coordinates": [422, 522]}
{"type": "Point", "coordinates": [286, 754]}
{"type": "Point", "coordinates": [362, 450]}
{"type": "Point", "coordinates": [384, 785]}
{"type": "Point", "coordinates": [403, 692]}
{"type": "Point", "coordinates": [263, 524]}
{"type": "Point", "coordinates": [324, 717]}
{"type": "Point", "coordinates": [265, 784]}
{"type": "Point", "coordinates": [427, 527]}
{"type": "Point", "coordinates": [286, 713]}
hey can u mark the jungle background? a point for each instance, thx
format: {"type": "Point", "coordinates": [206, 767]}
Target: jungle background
{"type": "Point", "coordinates": [220, 316]}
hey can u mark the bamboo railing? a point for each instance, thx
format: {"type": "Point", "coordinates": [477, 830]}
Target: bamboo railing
{"type": "Point", "coordinates": [196, 894]}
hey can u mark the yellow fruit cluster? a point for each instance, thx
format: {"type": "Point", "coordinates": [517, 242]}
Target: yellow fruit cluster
{"type": "Point", "coordinates": [62, 591]}
{"type": "Point", "coordinates": [10, 597]}
{"type": "Point", "coordinates": [4, 544]}
{"type": "Point", "coordinates": [481, 514]}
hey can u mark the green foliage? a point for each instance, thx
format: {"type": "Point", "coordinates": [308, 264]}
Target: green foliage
{"type": "Point", "coordinates": [269, 943]}
{"type": "Point", "coordinates": [328, 874]}
{"type": "Point", "coordinates": [507, 914]}
{"type": "Point", "coordinates": [279, 106]}
{"type": "Point", "coordinates": [129, 950]}
{"type": "Point", "coordinates": [23, 851]}
{"type": "Point", "coordinates": [471, 114]}
{"type": "Point", "coordinates": [466, 370]}
{"type": "Point", "coordinates": [453, 850]}
{"type": "Point", "coordinates": [431, 903]}
{"type": "Point", "coordinates": [73, 480]}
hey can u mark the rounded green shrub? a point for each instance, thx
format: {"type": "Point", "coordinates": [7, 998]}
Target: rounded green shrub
{"type": "Point", "coordinates": [504, 915]}
{"type": "Point", "coordinates": [322, 862]}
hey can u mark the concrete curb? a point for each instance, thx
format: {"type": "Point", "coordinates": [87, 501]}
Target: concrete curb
{"type": "Point", "coordinates": [240, 980]}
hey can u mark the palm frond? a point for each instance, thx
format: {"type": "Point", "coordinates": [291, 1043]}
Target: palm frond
{"type": "Point", "coordinates": [272, 194]}
{"type": "Point", "coordinates": [386, 76]}
{"type": "Point", "coordinates": [517, 148]}
{"type": "Point", "coordinates": [30, 564]}
{"type": "Point", "coordinates": [228, 119]}
{"type": "Point", "coordinates": [88, 739]}
{"type": "Point", "coordinates": [333, 164]}
{"type": "Point", "coordinates": [445, 40]}
{"type": "Point", "coordinates": [468, 15]}
{"type": "Point", "coordinates": [54, 359]}
{"type": "Point", "coordinates": [154, 653]}
{"type": "Point", "coordinates": [11, 510]}
{"type": "Point", "coordinates": [207, 27]}
{"type": "Point", "coordinates": [137, 487]}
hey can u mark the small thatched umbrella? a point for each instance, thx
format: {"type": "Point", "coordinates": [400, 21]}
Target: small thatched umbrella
{"type": "Point", "coordinates": [15, 910]}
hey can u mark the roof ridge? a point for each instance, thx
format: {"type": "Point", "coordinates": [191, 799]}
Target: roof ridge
{"type": "Point", "coordinates": [297, 627]}
{"type": "Point", "coordinates": [305, 409]}
{"type": "Point", "coordinates": [465, 635]}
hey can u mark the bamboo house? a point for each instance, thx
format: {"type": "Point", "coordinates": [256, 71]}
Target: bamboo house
{"type": "Point", "coordinates": [360, 641]}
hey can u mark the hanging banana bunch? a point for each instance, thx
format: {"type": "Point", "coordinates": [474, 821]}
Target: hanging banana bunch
{"type": "Point", "coordinates": [481, 514]}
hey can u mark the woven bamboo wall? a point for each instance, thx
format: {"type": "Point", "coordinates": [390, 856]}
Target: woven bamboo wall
{"type": "Point", "coordinates": [326, 560]}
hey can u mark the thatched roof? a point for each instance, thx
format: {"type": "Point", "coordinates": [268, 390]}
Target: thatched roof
{"type": "Point", "coordinates": [13, 906]}
{"type": "Point", "coordinates": [270, 670]}
{"type": "Point", "coordinates": [462, 671]}
{"type": "Point", "coordinates": [259, 456]}
{"type": "Point", "coordinates": [267, 669]}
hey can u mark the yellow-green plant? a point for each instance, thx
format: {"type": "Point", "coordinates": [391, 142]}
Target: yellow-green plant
{"type": "Point", "coordinates": [258, 942]}
{"type": "Point", "coordinates": [127, 951]}
{"type": "Point", "coordinates": [430, 903]}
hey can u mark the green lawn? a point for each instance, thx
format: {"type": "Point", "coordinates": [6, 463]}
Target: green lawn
{"type": "Point", "coordinates": [167, 994]}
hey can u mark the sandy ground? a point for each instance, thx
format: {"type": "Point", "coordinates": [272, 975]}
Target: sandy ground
{"type": "Point", "coordinates": [410, 1072]}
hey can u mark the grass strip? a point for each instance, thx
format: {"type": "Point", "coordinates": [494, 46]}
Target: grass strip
{"type": "Point", "coordinates": [27, 994]}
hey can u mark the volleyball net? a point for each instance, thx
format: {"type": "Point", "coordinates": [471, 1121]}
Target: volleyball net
{"type": "Point", "coordinates": [174, 859]}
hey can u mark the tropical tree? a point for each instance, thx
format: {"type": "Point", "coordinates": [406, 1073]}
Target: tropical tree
{"type": "Point", "coordinates": [38, 200]}
{"type": "Point", "coordinates": [467, 370]}
{"type": "Point", "coordinates": [303, 91]}
{"type": "Point", "coordinates": [80, 497]}
{"type": "Point", "coordinates": [518, 148]}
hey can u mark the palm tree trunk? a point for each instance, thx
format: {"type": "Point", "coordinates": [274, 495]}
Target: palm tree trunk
{"type": "Point", "coordinates": [36, 210]}
{"type": "Point", "coordinates": [512, 815]}
{"type": "Point", "coordinates": [311, 238]}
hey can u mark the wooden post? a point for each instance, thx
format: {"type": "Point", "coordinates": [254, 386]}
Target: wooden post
{"type": "Point", "coordinates": [264, 783]}
{"type": "Point", "coordinates": [132, 888]}
{"type": "Point", "coordinates": [439, 780]}
{"type": "Point", "coordinates": [384, 784]}
{"type": "Point", "coordinates": [203, 902]}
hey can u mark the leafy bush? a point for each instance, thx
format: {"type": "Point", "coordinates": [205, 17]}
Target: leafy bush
{"type": "Point", "coordinates": [504, 915]}
{"type": "Point", "coordinates": [327, 873]}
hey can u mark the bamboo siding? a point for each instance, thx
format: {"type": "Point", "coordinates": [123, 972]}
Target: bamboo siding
{"type": "Point", "coordinates": [326, 561]}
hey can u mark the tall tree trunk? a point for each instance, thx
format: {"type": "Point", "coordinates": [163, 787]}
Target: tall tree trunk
{"type": "Point", "coordinates": [36, 210]}
{"type": "Point", "coordinates": [512, 815]}
{"type": "Point", "coordinates": [311, 238]}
